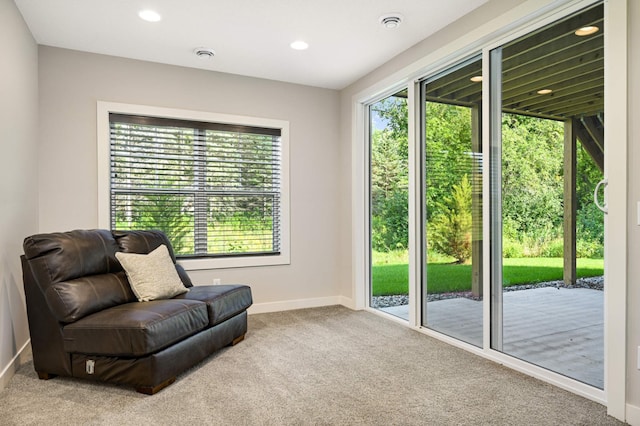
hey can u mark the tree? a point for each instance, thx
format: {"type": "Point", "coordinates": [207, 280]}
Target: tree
{"type": "Point", "coordinates": [532, 177]}
{"type": "Point", "coordinates": [448, 151]}
{"type": "Point", "coordinates": [390, 177]}
{"type": "Point", "coordinates": [395, 113]}
{"type": "Point", "coordinates": [590, 220]}
{"type": "Point", "coordinates": [389, 195]}
{"type": "Point", "coordinates": [450, 231]}
{"type": "Point", "coordinates": [388, 168]}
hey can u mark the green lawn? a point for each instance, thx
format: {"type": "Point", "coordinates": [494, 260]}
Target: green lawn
{"type": "Point", "coordinates": [392, 278]}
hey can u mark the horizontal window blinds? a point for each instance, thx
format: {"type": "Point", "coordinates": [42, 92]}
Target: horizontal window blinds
{"type": "Point", "coordinates": [213, 188]}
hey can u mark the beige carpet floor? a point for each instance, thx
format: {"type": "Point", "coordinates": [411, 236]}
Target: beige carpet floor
{"type": "Point", "coordinates": [323, 366]}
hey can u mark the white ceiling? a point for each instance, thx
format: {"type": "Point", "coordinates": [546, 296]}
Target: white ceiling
{"type": "Point", "coordinates": [250, 37]}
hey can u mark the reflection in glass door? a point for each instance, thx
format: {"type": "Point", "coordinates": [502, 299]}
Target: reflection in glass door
{"type": "Point", "coordinates": [547, 156]}
{"type": "Point", "coordinates": [452, 210]}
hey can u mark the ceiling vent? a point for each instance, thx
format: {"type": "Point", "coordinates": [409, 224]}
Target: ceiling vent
{"type": "Point", "coordinates": [391, 20]}
{"type": "Point", "coordinates": [204, 52]}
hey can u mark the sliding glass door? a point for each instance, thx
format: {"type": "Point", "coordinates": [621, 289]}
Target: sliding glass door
{"type": "Point", "coordinates": [547, 156]}
{"type": "Point", "coordinates": [452, 202]}
{"type": "Point", "coordinates": [492, 192]}
{"type": "Point", "coordinates": [546, 115]}
{"type": "Point", "coordinates": [389, 205]}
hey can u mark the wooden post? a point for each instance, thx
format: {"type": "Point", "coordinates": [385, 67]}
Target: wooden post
{"type": "Point", "coordinates": [476, 201]}
{"type": "Point", "coordinates": [570, 203]}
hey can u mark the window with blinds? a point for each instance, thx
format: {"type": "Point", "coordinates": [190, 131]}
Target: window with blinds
{"type": "Point", "coordinates": [213, 188]}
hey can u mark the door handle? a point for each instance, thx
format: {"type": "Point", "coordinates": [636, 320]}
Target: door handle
{"type": "Point", "coordinates": [604, 208]}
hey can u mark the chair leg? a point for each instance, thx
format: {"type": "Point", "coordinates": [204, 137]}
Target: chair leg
{"type": "Point", "coordinates": [237, 340]}
{"type": "Point", "coordinates": [45, 376]}
{"type": "Point", "coordinates": [152, 390]}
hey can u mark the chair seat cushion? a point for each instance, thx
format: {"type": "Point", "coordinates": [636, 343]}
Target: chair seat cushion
{"type": "Point", "coordinates": [136, 329]}
{"type": "Point", "coordinates": [223, 301]}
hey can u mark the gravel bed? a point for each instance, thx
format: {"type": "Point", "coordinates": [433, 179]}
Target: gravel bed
{"type": "Point", "coordinates": [594, 283]}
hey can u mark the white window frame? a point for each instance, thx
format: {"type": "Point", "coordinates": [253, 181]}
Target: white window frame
{"type": "Point", "coordinates": [104, 207]}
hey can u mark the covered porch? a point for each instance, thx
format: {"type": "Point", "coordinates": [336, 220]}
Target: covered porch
{"type": "Point", "coordinates": [560, 329]}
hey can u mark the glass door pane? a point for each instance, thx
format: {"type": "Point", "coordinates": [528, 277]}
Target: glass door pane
{"type": "Point", "coordinates": [547, 155]}
{"type": "Point", "coordinates": [452, 284]}
{"type": "Point", "coordinates": [389, 205]}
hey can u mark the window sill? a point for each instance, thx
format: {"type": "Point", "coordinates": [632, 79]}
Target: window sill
{"type": "Point", "coordinates": [236, 262]}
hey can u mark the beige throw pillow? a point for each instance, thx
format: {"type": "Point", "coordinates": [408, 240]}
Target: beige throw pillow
{"type": "Point", "coordinates": [152, 276]}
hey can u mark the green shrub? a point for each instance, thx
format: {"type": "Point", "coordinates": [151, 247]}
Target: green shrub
{"type": "Point", "coordinates": [392, 257]}
{"type": "Point", "coordinates": [512, 249]}
{"type": "Point", "coordinates": [390, 222]}
{"type": "Point", "coordinates": [451, 230]}
{"type": "Point", "coordinates": [589, 249]}
{"type": "Point", "coordinates": [553, 248]}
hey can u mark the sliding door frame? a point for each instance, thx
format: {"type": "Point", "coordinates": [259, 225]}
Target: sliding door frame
{"type": "Point", "coordinates": [615, 166]}
{"type": "Point", "coordinates": [509, 26]}
{"type": "Point", "coordinates": [614, 392]}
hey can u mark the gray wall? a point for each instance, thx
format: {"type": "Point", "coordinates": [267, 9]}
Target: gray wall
{"type": "Point", "coordinates": [70, 84]}
{"type": "Point", "coordinates": [18, 175]}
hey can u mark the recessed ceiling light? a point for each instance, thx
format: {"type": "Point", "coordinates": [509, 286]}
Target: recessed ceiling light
{"type": "Point", "coordinates": [390, 20]}
{"type": "Point", "coordinates": [204, 52]}
{"type": "Point", "coordinates": [299, 45]}
{"type": "Point", "coordinates": [476, 78]}
{"type": "Point", "coordinates": [585, 31]}
{"type": "Point", "coordinates": [149, 15]}
{"type": "Point", "coordinates": [544, 91]}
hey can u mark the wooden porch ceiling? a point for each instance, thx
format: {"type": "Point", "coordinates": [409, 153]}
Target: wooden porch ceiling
{"type": "Point", "coordinates": [551, 58]}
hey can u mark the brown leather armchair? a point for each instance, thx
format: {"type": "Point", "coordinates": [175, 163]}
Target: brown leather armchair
{"type": "Point", "coordinates": [85, 321]}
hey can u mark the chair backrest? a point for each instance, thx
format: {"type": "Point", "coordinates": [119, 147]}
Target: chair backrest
{"type": "Point", "coordinates": [78, 273]}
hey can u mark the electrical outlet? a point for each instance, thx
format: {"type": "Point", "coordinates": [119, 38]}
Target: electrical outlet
{"type": "Point", "coordinates": [638, 357]}
{"type": "Point", "coordinates": [216, 281]}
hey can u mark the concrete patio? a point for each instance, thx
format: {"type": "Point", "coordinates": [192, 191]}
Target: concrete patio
{"type": "Point", "coordinates": [558, 329]}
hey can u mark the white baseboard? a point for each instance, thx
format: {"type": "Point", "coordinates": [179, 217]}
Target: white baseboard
{"type": "Point", "coordinates": [288, 305]}
{"type": "Point", "coordinates": [347, 302]}
{"type": "Point", "coordinates": [23, 355]}
{"type": "Point", "coordinates": [633, 415]}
